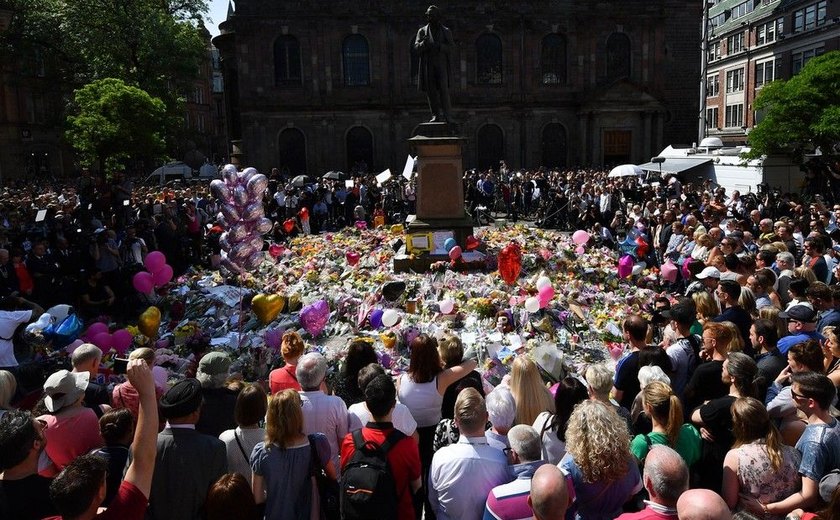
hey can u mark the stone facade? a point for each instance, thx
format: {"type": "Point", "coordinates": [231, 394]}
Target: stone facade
{"type": "Point", "coordinates": [553, 83]}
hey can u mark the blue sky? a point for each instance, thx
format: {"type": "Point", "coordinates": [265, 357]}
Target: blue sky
{"type": "Point", "coordinates": [218, 13]}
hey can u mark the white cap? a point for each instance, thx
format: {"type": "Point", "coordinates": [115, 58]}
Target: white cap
{"type": "Point", "coordinates": [709, 272]}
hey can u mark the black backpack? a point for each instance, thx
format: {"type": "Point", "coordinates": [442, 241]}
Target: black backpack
{"type": "Point", "coordinates": [367, 485]}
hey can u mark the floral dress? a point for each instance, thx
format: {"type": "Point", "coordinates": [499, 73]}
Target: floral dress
{"type": "Point", "coordinates": [757, 478]}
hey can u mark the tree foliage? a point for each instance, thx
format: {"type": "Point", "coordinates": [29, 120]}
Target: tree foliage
{"type": "Point", "coordinates": [802, 112]}
{"type": "Point", "coordinates": [113, 122]}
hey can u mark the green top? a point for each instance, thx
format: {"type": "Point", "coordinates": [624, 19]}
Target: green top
{"type": "Point", "coordinates": [696, 328]}
{"type": "Point", "coordinates": [688, 444]}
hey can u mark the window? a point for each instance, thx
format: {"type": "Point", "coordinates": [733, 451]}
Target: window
{"type": "Point", "coordinates": [766, 32]}
{"type": "Point", "coordinates": [488, 54]}
{"type": "Point", "coordinates": [735, 80]}
{"type": "Point", "coordinates": [735, 43]}
{"type": "Point", "coordinates": [714, 51]}
{"type": "Point", "coordinates": [713, 85]}
{"type": "Point", "coordinates": [716, 20]}
{"type": "Point", "coordinates": [490, 146]}
{"type": "Point", "coordinates": [359, 149]}
{"type": "Point", "coordinates": [356, 61]}
{"type": "Point", "coordinates": [712, 117]}
{"type": "Point", "coordinates": [764, 72]}
{"type": "Point", "coordinates": [198, 96]}
{"type": "Point", "coordinates": [734, 115]}
{"type": "Point", "coordinates": [287, 61]}
{"type": "Point", "coordinates": [292, 148]}
{"type": "Point", "coordinates": [742, 9]}
{"type": "Point", "coordinates": [553, 60]}
{"type": "Point", "coordinates": [618, 56]}
{"type": "Point", "coordinates": [810, 17]}
{"type": "Point", "coordinates": [799, 59]}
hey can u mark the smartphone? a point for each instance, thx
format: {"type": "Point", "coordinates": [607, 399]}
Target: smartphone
{"type": "Point", "coordinates": [120, 365]}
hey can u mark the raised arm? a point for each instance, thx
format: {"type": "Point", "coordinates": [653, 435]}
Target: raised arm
{"type": "Point", "coordinates": [144, 447]}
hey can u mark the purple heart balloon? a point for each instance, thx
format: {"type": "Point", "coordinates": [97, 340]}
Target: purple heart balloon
{"type": "Point", "coordinates": [314, 317]}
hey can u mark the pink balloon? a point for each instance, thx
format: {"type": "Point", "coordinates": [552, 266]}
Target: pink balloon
{"type": "Point", "coordinates": [161, 377]}
{"type": "Point", "coordinates": [455, 253]}
{"type": "Point", "coordinates": [163, 275]}
{"type": "Point", "coordinates": [547, 293]}
{"type": "Point", "coordinates": [580, 237]}
{"type": "Point", "coordinates": [73, 346]}
{"type": "Point", "coordinates": [669, 271]}
{"type": "Point", "coordinates": [96, 328]}
{"type": "Point", "coordinates": [625, 266]}
{"type": "Point", "coordinates": [154, 261]}
{"type": "Point", "coordinates": [144, 282]}
{"type": "Point", "coordinates": [104, 340]}
{"type": "Point", "coordinates": [580, 250]}
{"type": "Point", "coordinates": [121, 340]}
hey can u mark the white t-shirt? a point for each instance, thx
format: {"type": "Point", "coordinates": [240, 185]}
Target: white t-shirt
{"type": "Point", "coordinates": [9, 321]}
{"type": "Point", "coordinates": [358, 416]}
{"type": "Point", "coordinates": [236, 459]}
{"type": "Point", "coordinates": [553, 448]}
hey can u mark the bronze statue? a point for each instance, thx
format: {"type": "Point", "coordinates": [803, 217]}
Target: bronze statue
{"type": "Point", "coordinates": [433, 44]}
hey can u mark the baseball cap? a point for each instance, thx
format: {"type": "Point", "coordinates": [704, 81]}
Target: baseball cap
{"type": "Point", "coordinates": [799, 313]}
{"type": "Point", "coordinates": [709, 272]}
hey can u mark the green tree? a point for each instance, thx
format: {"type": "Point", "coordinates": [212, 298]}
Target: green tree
{"type": "Point", "coordinates": [802, 112]}
{"type": "Point", "coordinates": [113, 122]}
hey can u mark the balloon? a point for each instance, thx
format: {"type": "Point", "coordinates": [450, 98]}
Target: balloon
{"type": "Point", "coordinates": [229, 213]}
{"type": "Point", "coordinates": [266, 307]}
{"type": "Point", "coordinates": [510, 263]}
{"type": "Point", "coordinates": [103, 340]}
{"type": "Point", "coordinates": [289, 225]}
{"type": "Point", "coordinates": [390, 317]}
{"type": "Point", "coordinates": [628, 247]}
{"type": "Point", "coordinates": [314, 317]}
{"type": "Point", "coordinates": [264, 226]}
{"type": "Point", "coordinates": [163, 275]}
{"type": "Point", "coordinates": [543, 281]}
{"type": "Point", "coordinates": [154, 261]}
{"type": "Point", "coordinates": [446, 306]}
{"type": "Point", "coordinates": [230, 265]}
{"type": "Point", "coordinates": [240, 252]}
{"type": "Point", "coordinates": [275, 250]}
{"type": "Point", "coordinates": [256, 241]}
{"type": "Point", "coordinates": [256, 185]}
{"type": "Point", "coordinates": [472, 243]}
{"type": "Point", "coordinates": [455, 253]}
{"type": "Point", "coordinates": [532, 304]}
{"type": "Point", "coordinates": [229, 173]}
{"type": "Point", "coordinates": [546, 293]}
{"type": "Point", "coordinates": [219, 190]}
{"type": "Point", "coordinates": [580, 237]}
{"type": "Point", "coordinates": [375, 318]}
{"type": "Point", "coordinates": [95, 328]}
{"type": "Point", "coordinates": [240, 195]}
{"type": "Point", "coordinates": [60, 312]}
{"type": "Point", "coordinates": [580, 250]}
{"type": "Point", "coordinates": [352, 257]}
{"type": "Point", "coordinates": [121, 340]}
{"type": "Point", "coordinates": [669, 271]}
{"type": "Point", "coordinates": [248, 173]}
{"type": "Point", "coordinates": [253, 211]}
{"type": "Point", "coordinates": [73, 346]}
{"type": "Point", "coordinates": [449, 244]}
{"type": "Point", "coordinates": [161, 376]}
{"type": "Point", "coordinates": [237, 233]}
{"type": "Point", "coordinates": [643, 247]}
{"type": "Point", "coordinates": [625, 266]}
{"type": "Point", "coordinates": [638, 268]}
{"type": "Point", "coordinates": [45, 319]}
{"type": "Point", "coordinates": [254, 261]}
{"type": "Point", "coordinates": [149, 322]}
{"type": "Point", "coordinates": [143, 282]}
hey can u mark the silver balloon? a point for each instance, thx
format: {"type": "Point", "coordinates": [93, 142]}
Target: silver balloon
{"type": "Point", "coordinates": [224, 243]}
{"type": "Point", "coordinates": [237, 233]}
{"type": "Point", "coordinates": [240, 195]}
{"type": "Point", "coordinates": [248, 173]}
{"type": "Point", "coordinates": [256, 242]}
{"type": "Point", "coordinates": [255, 260]}
{"type": "Point", "coordinates": [229, 213]}
{"type": "Point", "coordinates": [257, 185]}
{"type": "Point", "coordinates": [240, 252]}
{"type": "Point", "coordinates": [219, 190]}
{"type": "Point", "coordinates": [229, 173]}
{"type": "Point", "coordinates": [264, 226]}
{"type": "Point", "coordinates": [253, 211]}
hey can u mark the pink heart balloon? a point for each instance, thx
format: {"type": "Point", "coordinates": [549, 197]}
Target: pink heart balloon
{"type": "Point", "coordinates": [314, 317]}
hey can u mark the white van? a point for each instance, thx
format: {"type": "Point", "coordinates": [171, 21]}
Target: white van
{"type": "Point", "coordinates": [176, 171]}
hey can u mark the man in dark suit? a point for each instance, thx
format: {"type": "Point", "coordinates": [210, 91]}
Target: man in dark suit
{"type": "Point", "coordinates": [433, 44]}
{"type": "Point", "coordinates": [188, 462]}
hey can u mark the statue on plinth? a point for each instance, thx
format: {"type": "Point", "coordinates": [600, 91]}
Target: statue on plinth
{"type": "Point", "coordinates": [433, 44]}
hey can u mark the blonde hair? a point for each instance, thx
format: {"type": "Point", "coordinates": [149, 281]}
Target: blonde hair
{"type": "Point", "coordinates": [772, 313]}
{"type": "Point", "coordinates": [598, 440]}
{"type": "Point", "coordinates": [470, 410]}
{"type": "Point", "coordinates": [144, 353]}
{"type": "Point", "coordinates": [8, 386]}
{"type": "Point", "coordinates": [747, 300]}
{"type": "Point", "coordinates": [736, 341]}
{"type": "Point", "coordinates": [531, 396]}
{"type": "Point", "coordinates": [665, 406]}
{"type": "Point", "coordinates": [750, 422]}
{"type": "Point", "coordinates": [451, 350]}
{"type": "Point", "coordinates": [284, 418]}
{"type": "Point", "coordinates": [292, 345]}
{"type": "Point", "coordinates": [806, 273]}
{"type": "Point", "coordinates": [706, 305]}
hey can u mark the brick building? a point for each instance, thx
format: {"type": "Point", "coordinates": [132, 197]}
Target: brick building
{"type": "Point", "coordinates": [754, 42]}
{"type": "Point", "coordinates": [320, 85]}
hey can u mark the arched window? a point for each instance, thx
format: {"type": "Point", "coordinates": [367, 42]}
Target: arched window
{"type": "Point", "coordinates": [287, 61]}
{"type": "Point", "coordinates": [488, 59]}
{"type": "Point", "coordinates": [356, 60]}
{"type": "Point", "coordinates": [553, 60]}
{"type": "Point", "coordinates": [292, 149]}
{"type": "Point", "coordinates": [618, 56]}
{"type": "Point", "coordinates": [490, 144]}
{"type": "Point", "coordinates": [359, 148]}
{"type": "Point", "coordinates": [554, 146]}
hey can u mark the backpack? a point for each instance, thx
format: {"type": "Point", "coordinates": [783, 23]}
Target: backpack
{"type": "Point", "coordinates": [367, 484]}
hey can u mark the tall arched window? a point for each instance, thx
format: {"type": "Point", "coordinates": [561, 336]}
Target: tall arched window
{"type": "Point", "coordinates": [356, 60]}
{"type": "Point", "coordinates": [286, 61]}
{"type": "Point", "coordinates": [292, 149]}
{"type": "Point", "coordinates": [488, 59]}
{"type": "Point", "coordinates": [490, 146]}
{"type": "Point", "coordinates": [618, 56]}
{"type": "Point", "coordinates": [553, 60]}
{"type": "Point", "coordinates": [359, 147]}
{"type": "Point", "coordinates": [554, 146]}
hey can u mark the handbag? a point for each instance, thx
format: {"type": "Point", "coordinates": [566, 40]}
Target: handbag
{"type": "Point", "coordinates": [328, 491]}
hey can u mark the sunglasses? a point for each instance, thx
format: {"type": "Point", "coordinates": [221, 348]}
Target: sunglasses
{"type": "Point", "coordinates": [797, 395]}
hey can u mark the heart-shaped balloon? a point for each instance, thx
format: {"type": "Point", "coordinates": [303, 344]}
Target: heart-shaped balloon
{"type": "Point", "coordinates": [314, 317]}
{"type": "Point", "coordinates": [472, 243]}
{"type": "Point", "coordinates": [149, 322]}
{"type": "Point", "coordinates": [510, 263]}
{"type": "Point", "coordinates": [275, 250]}
{"type": "Point", "coordinates": [288, 225]}
{"type": "Point", "coordinates": [352, 257]}
{"type": "Point", "coordinates": [266, 307]}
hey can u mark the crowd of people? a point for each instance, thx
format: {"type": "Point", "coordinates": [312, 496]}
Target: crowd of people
{"type": "Point", "coordinates": [722, 405]}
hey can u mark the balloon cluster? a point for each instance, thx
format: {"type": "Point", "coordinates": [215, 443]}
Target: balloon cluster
{"type": "Point", "coordinates": [580, 238]}
{"type": "Point", "coordinates": [240, 194]}
{"type": "Point", "coordinates": [383, 318]}
{"type": "Point", "coordinates": [453, 248]}
{"type": "Point", "coordinates": [545, 293]}
{"type": "Point", "coordinates": [157, 274]}
{"type": "Point", "coordinates": [100, 335]}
